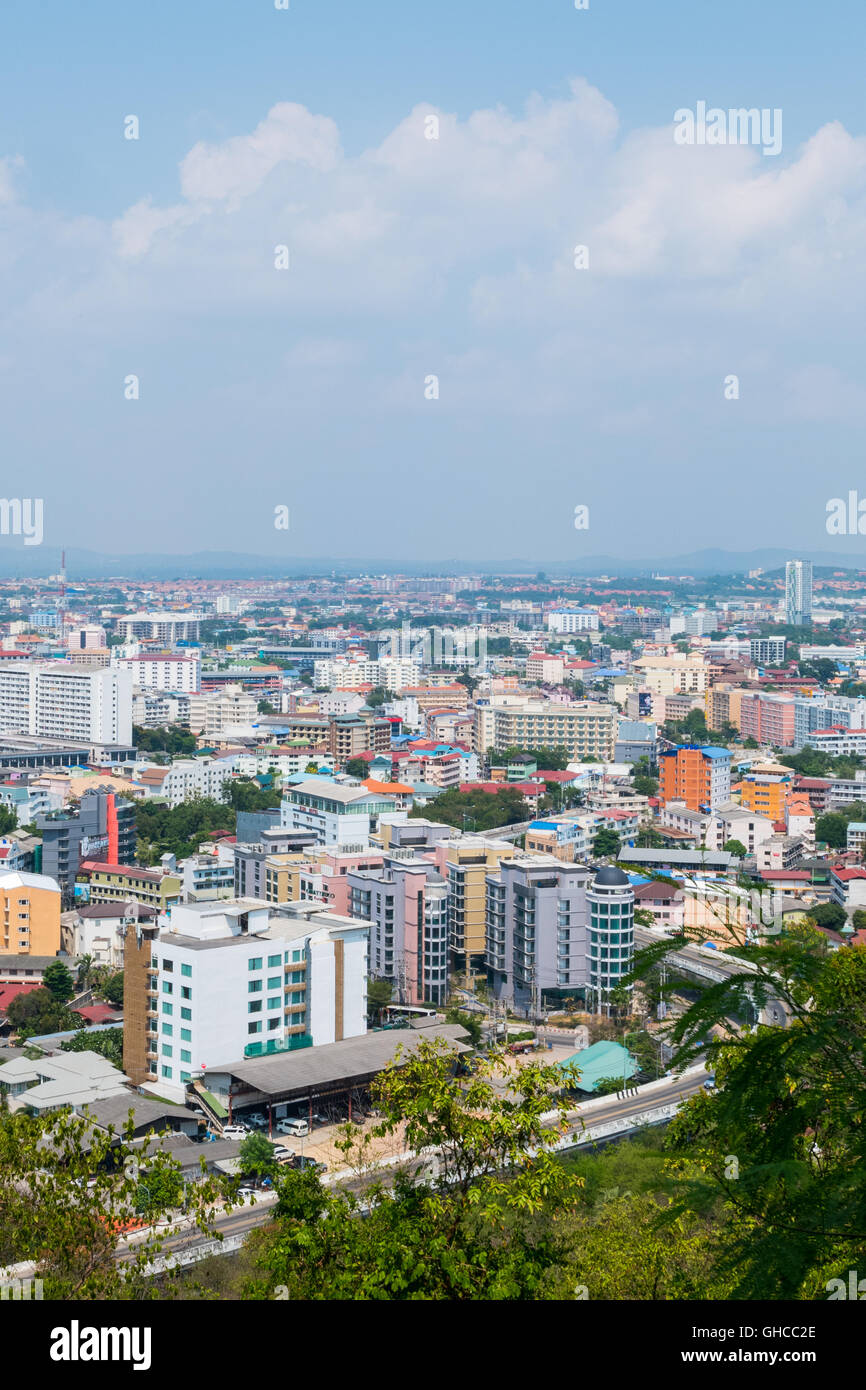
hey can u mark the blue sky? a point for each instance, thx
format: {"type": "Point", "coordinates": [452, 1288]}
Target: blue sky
{"type": "Point", "coordinates": [410, 257]}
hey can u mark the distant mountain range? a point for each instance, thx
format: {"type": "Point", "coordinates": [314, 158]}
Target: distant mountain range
{"type": "Point", "coordinates": [18, 561]}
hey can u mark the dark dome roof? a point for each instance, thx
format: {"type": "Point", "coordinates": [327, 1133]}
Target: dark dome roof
{"type": "Point", "coordinates": [612, 877]}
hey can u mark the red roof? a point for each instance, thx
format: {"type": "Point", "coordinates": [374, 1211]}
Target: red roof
{"type": "Point", "coordinates": [10, 992]}
{"type": "Point", "coordinates": [98, 1013]}
{"type": "Point", "coordinates": [845, 875]}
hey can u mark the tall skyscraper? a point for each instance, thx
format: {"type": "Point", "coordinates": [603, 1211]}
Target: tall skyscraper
{"type": "Point", "coordinates": [798, 592]}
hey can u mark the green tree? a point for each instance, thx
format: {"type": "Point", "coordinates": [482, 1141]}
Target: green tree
{"type": "Point", "coordinates": [786, 1119]}
{"type": "Point", "coordinates": [68, 1191]}
{"type": "Point", "coordinates": [833, 829]}
{"type": "Point", "coordinates": [357, 767]}
{"type": "Point", "coordinates": [469, 1022]}
{"type": "Point", "coordinates": [256, 1156]}
{"type": "Point", "coordinates": [646, 786]}
{"type": "Point", "coordinates": [38, 1012]}
{"type": "Point", "coordinates": [108, 1043]}
{"type": "Point", "coordinates": [828, 915]}
{"type": "Point", "coordinates": [606, 843]}
{"type": "Point", "coordinates": [8, 820]}
{"type": "Point", "coordinates": [736, 847]}
{"type": "Point", "coordinates": [858, 919]}
{"type": "Point", "coordinates": [379, 994]}
{"type": "Point", "coordinates": [377, 697]}
{"type": "Point", "coordinates": [750, 742]}
{"type": "Point", "coordinates": [57, 979]}
{"type": "Point", "coordinates": [481, 1228]}
{"type": "Point", "coordinates": [112, 990]}
{"type": "Point", "coordinates": [265, 707]}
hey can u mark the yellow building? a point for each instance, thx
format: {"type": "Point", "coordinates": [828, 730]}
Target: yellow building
{"type": "Point", "coordinates": [29, 915]}
{"type": "Point", "coordinates": [117, 883]}
{"type": "Point", "coordinates": [283, 876]}
{"type": "Point", "coordinates": [465, 863]}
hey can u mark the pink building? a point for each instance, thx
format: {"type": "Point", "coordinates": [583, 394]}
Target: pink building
{"type": "Point", "coordinates": [767, 718]}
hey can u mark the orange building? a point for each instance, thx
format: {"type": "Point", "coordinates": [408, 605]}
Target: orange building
{"type": "Point", "coordinates": [701, 777]}
{"type": "Point", "coordinates": [766, 796]}
{"type": "Point", "coordinates": [29, 915]}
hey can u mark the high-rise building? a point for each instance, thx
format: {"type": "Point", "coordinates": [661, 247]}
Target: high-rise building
{"type": "Point", "coordinates": [555, 930]}
{"type": "Point", "coordinates": [798, 592]}
{"type": "Point", "coordinates": [63, 701]}
{"type": "Point", "coordinates": [102, 828]}
{"type": "Point", "coordinates": [218, 982]}
{"type": "Point", "coordinates": [406, 904]}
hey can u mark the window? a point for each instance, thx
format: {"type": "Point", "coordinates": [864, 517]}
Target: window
{"type": "Point", "coordinates": [185, 1076]}
{"type": "Point", "coordinates": [254, 1006]}
{"type": "Point", "coordinates": [186, 970]}
{"type": "Point", "coordinates": [272, 1024]}
{"type": "Point", "coordinates": [185, 1056]}
{"type": "Point", "coordinates": [254, 986]}
{"type": "Point", "coordinates": [168, 965]}
{"type": "Point", "coordinates": [186, 1013]}
{"type": "Point", "coordinates": [167, 1030]}
{"type": "Point", "coordinates": [274, 1003]}
{"type": "Point", "coordinates": [272, 961]}
{"type": "Point", "coordinates": [166, 1071]}
{"type": "Point", "coordinates": [185, 992]}
{"type": "Point", "coordinates": [274, 982]}
{"type": "Point", "coordinates": [254, 1027]}
{"type": "Point", "coordinates": [167, 987]}
{"type": "Point", "coordinates": [167, 1008]}
{"type": "Point", "coordinates": [254, 963]}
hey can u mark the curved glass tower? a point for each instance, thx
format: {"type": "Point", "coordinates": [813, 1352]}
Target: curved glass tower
{"type": "Point", "coordinates": [610, 937]}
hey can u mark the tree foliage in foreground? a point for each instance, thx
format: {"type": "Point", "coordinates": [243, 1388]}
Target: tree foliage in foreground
{"type": "Point", "coordinates": [70, 1191]}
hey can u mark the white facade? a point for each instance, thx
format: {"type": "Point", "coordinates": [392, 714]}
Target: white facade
{"type": "Point", "coordinates": [572, 620]}
{"type": "Point", "coordinates": [235, 980]}
{"type": "Point", "coordinates": [159, 627]}
{"type": "Point", "coordinates": [175, 673]}
{"type": "Point", "coordinates": [189, 777]}
{"type": "Point", "coordinates": [59, 700]}
{"type": "Point", "coordinates": [392, 673]}
{"type": "Point", "coordinates": [212, 712]}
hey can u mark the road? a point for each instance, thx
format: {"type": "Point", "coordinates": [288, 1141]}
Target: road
{"type": "Point", "coordinates": [590, 1114]}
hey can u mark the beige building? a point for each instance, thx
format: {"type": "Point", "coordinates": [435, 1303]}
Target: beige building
{"type": "Point", "coordinates": [586, 729]}
{"type": "Point", "coordinates": [672, 675]}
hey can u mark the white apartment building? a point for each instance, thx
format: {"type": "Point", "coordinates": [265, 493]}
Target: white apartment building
{"type": "Point", "coordinates": [541, 666]}
{"type": "Point", "coordinates": [61, 700]}
{"type": "Point", "coordinates": [154, 710]}
{"type": "Point", "coordinates": [392, 673]}
{"type": "Point", "coordinates": [189, 777]}
{"type": "Point", "coordinates": [572, 620]}
{"type": "Point", "coordinates": [210, 712]}
{"type": "Point", "coordinates": [338, 813]}
{"type": "Point", "coordinates": [159, 627]}
{"type": "Point", "coordinates": [234, 979]}
{"type": "Point", "coordinates": [172, 673]}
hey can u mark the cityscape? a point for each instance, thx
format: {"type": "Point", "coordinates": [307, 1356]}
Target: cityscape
{"type": "Point", "coordinates": [432, 678]}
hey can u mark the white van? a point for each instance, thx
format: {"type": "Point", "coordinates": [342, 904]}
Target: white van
{"type": "Point", "coordinates": [297, 1128]}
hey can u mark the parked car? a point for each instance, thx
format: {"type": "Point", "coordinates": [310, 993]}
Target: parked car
{"type": "Point", "coordinates": [320, 1119]}
{"type": "Point", "coordinates": [248, 1194]}
{"type": "Point", "coordinates": [298, 1128]}
{"type": "Point", "coordinates": [282, 1154]}
{"type": "Point", "coordinates": [235, 1132]}
{"type": "Point", "coordinates": [303, 1161]}
{"type": "Point", "coordinates": [257, 1119]}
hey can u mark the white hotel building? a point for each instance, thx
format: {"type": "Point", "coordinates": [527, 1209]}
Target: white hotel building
{"type": "Point", "coordinates": [179, 674]}
{"type": "Point", "coordinates": [234, 979]}
{"type": "Point", "coordinates": [59, 700]}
